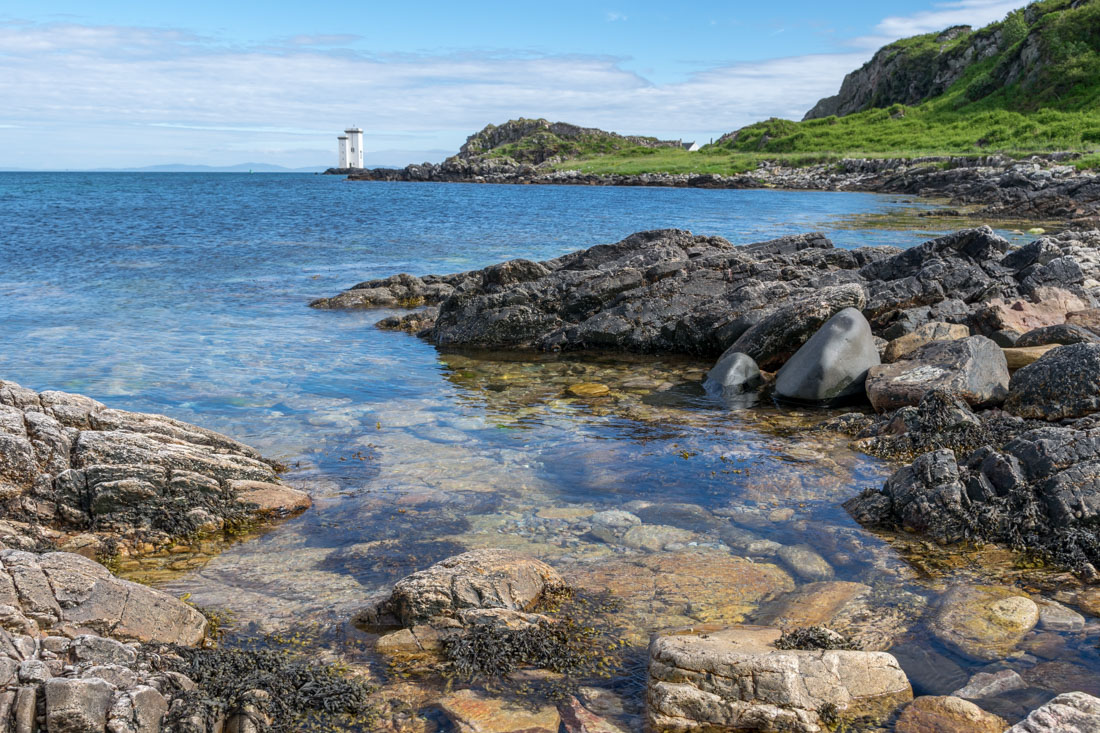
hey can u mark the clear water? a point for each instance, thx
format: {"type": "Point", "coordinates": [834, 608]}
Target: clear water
{"type": "Point", "coordinates": [186, 294]}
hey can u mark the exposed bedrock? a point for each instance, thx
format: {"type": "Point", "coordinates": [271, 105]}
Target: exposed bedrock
{"type": "Point", "coordinates": [71, 463]}
{"type": "Point", "coordinates": [672, 291]}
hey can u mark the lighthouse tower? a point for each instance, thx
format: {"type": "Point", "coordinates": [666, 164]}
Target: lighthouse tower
{"type": "Point", "coordinates": [342, 151]}
{"type": "Point", "coordinates": [355, 147]}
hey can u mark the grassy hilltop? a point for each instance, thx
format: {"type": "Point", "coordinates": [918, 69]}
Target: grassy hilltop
{"type": "Point", "coordinates": [1027, 84]}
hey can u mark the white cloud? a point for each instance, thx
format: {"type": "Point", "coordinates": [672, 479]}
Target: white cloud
{"type": "Point", "coordinates": [974, 13]}
{"type": "Point", "coordinates": [613, 17]}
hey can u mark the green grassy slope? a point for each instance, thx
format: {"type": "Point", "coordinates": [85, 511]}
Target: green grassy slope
{"type": "Point", "coordinates": [1039, 92]}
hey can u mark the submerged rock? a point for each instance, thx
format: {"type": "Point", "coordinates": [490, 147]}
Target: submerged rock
{"type": "Point", "coordinates": [1072, 712]}
{"type": "Point", "coordinates": [714, 680]}
{"type": "Point", "coordinates": [833, 364]}
{"type": "Point", "coordinates": [479, 579]}
{"type": "Point", "coordinates": [734, 377]}
{"type": "Point", "coordinates": [474, 712]}
{"type": "Point", "coordinates": [973, 369]}
{"type": "Point", "coordinates": [1063, 383]}
{"type": "Point", "coordinates": [984, 622]}
{"type": "Point", "coordinates": [947, 715]}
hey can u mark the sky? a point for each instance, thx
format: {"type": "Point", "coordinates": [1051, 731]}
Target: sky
{"type": "Point", "coordinates": [127, 84]}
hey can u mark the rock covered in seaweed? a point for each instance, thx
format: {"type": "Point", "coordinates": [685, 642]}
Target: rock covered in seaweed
{"type": "Point", "coordinates": [73, 463]}
{"type": "Point", "coordinates": [1064, 383]}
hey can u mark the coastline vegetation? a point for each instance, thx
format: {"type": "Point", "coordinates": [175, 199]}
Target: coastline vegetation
{"type": "Point", "coordinates": [1039, 92]}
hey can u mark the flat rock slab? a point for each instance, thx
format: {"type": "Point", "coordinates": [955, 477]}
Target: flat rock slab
{"type": "Point", "coordinates": [974, 369]}
{"type": "Point", "coordinates": [735, 679]}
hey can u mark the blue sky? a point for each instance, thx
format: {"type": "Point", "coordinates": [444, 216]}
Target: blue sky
{"type": "Point", "coordinates": [128, 84]}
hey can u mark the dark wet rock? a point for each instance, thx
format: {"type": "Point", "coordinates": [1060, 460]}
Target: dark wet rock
{"type": "Point", "coordinates": [1063, 383]}
{"type": "Point", "coordinates": [1072, 712]}
{"type": "Point", "coordinates": [71, 462]}
{"type": "Point", "coordinates": [417, 323]}
{"type": "Point", "coordinates": [776, 338]}
{"type": "Point", "coordinates": [703, 680]}
{"type": "Point", "coordinates": [973, 369]}
{"type": "Point", "coordinates": [1063, 334]}
{"type": "Point", "coordinates": [832, 365]}
{"type": "Point", "coordinates": [734, 377]}
{"type": "Point", "coordinates": [479, 579]}
{"type": "Point", "coordinates": [405, 291]}
{"type": "Point", "coordinates": [671, 291]}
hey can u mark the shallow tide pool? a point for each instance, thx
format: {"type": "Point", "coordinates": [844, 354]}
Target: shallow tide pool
{"type": "Point", "coordinates": [186, 294]}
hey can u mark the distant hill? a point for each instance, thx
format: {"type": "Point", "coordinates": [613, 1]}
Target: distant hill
{"type": "Point", "coordinates": [1028, 83]}
{"type": "Point", "coordinates": [539, 141]}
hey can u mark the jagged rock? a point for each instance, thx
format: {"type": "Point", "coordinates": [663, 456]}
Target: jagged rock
{"type": "Point", "coordinates": [400, 290]}
{"type": "Point", "coordinates": [477, 579]}
{"type": "Point", "coordinates": [947, 715]}
{"type": "Point", "coordinates": [973, 369]}
{"type": "Point", "coordinates": [733, 377]}
{"type": "Point", "coordinates": [712, 680]}
{"type": "Point", "coordinates": [77, 706]}
{"type": "Point", "coordinates": [1046, 306]}
{"type": "Point", "coordinates": [1062, 334]}
{"type": "Point", "coordinates": [69, 461]}
{"type": "Point", "coordinates": [901, 347]}
{"type": "Point", "coordinates": [1072, 712]}
{"type": "Point", "coordinates": [984, 622]}
{"type": "Point", "coordinates": [833, 364]}
{"type": "Point", "coordinates": [1063, 383]}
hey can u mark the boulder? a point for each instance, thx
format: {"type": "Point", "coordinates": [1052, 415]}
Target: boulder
{"type": "Point", "coordinates": [947, 715]}
{"type": "Point", "coordinates": [833, 364]}
{"type": "Point", "coordinates": [736, 679]}
{"type": "Point", "coordinates": [973, 368]}
{"type": "Point", "coordinates": [1047, 306]}
{"type": "Point", "coordinates": [1062, 334]}
{"type": "Point", "coordinates": [926, 333]}
{"type": "Point", "coordinates": [77, 706]}
{"type": "Point", "coordinates": [1019, 357]}
{"type": "Point", "coordinates": [984, 623]}
{"type": "Point", "coordinates": [733, 376]}
{"type": "Point", "coordinates": [1072, 712]}
{"type": "Point", "coordinates": [479, 579]}
{"type": "Point", "coordinates": [776, 338]}
{"type": "Point", "coordinates": [1063, 383]}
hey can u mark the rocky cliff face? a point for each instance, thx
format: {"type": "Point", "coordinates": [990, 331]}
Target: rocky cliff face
{"type": "Point", "coordinates": [915, 70]}
{"type": "Point", "coordinates": [535, 141]}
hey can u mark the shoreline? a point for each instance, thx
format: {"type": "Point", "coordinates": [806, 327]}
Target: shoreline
{"type": "Point", "coordinates": [1038, 188]}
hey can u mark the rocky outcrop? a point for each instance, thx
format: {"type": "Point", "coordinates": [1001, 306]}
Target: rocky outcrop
{"type": "Point", "coordinates": [1040, 492]}
{"type": "Point", "coordinates": [671, 291]}
{"type": "Point", "coordinates": [72, 463]}
{"type": "Point", "coordinates": [737, 679]}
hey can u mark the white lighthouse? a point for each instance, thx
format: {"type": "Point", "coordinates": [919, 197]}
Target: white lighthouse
{"type": "Point", "coordinates": [342, 151]}
{"type": "Point", "coordinates": [355, 147]}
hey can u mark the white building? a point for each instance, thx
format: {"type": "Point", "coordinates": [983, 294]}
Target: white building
{"type": "Point", "coordinates": [690, 147]}
{"type": "Point", "coordinates": [355, 147]}
{"type": "Point", "coordinates": [342, 151]}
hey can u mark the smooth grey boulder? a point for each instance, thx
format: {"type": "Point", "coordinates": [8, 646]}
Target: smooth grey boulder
{"type": "Point", "coordinates": [974, 369]}
{"type": "Point", "coordinates": [734, 378]}
{"type": "Point", "coordinates": [1062, 383]}
{"type": "Point", "coordinates": [833, 364]}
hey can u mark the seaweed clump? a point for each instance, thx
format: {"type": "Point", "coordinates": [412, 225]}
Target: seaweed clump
{"type": "Point", "coordinates": [814, 638]}
{"type": "Point", "coordinates": [276, 690]}
{"type": "Point", "coordinates": [577, 642]}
